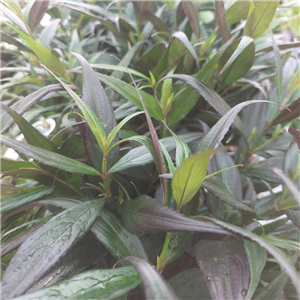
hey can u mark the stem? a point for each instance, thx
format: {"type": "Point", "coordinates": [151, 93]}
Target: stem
{"type": "Point", "coordinates": [163, 258]}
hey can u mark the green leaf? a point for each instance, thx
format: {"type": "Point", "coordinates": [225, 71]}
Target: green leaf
{"type": "Point", "coordinates": [118, 241]}
{"type": "Point", "coordinates": [264, 244]}
{"type": "Point", "coordinates": [257, 257]}
{"type": "Point", "coordinates": [104, 284]}
{"type": "Point", "coordinates": [260, 18]}
{"type": "Point", "coordinates": [10, 40]}
{"type": "Point", "coordinates": [141, 155]}
{"type": "Point", "coordinates": [189, 176]}
{"type": "Point", "coordinates": [225, 268]}
{"type": "Point", "coordinates": [222, 24]}
{"type": "Point", "coordinates": [129, 92]}
{"type": "Point", "coordinates": [237, 59]}
{"type": "Point", "coordinates": [37, 12]}
{"type": "Point", "coordinates": [49, 32]}
{"type": "Point", "coordinates": [294, 83]}
{"type": "Point", "coordinates": [282, 243]}
{"type": "Point", "coordinates": [275, 288]}
{"type": "Point", "coordinates": [45, 56]}
{"type": "Point", "coordinates": [45, 247]}
{"type": "Point", "coordinates": [190, 284]}
{"type": "Point", "coordinates": [237, 11]}
{"type": "Point", "coordinates": [49, 158]}
{"type": "Point", "coordinates": [27, 102]}
{"type": "Point", "coordinates": [16, 200]}
{"type": "Point", "coordinates": [208, 94]}
{"type": "Point", "coordinates": [218, 131]}
{"type": "Point", "coordinates": [216, 186]}
{"type": "Point", "coordinates": [183, 38]}
{"type": "Point", "coordinates": [146, 215]}
{"type": "Point", "coordinates": [31, 134]}
{"type": "Point", "coordinates": [154, 285]}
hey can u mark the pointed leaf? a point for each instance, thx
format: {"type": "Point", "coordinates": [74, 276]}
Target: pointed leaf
{"type": "Point", "coordinates": [222, 23]}
{"type": "Point", "coordinates": [208, 94]}
{"type": "Point", "coordinates": [260, 18]}
{"type": "Point", "coordinates": [16, 200]}
{"type": "Point", "coordinates": [192, 14]}
{"type": "Point", "coordinates": [103, 284]}
{"type": "Point", "coordinates": [189, 176]}
{"type": "Point", "coordinates": [237, 11]}
{"type": "Point", "coordinates": [295, 133]}
{"type": "Point", "coordinates": [44, 248]}
{"type": "Point", "coordinates": [31, 134]}
{"type": "Point", "coordinates": [225, 268]}
{"type": "Point", "coordinates": [48, 158]}
{"type": "Point", "coordinates": [146, 215]}
{"type": "Point", "coordinates": [257, 257]}
{"type": "Point", "coordinates": [118, 241]}
{"type": "Point", "coordinates": [45, 56]}
{"type": "Point", "coordinates": [218, 131]}
{"type": "Point", "coordinates": [37, 13]}
{"type": "Point", "coordinates": [154, 285]}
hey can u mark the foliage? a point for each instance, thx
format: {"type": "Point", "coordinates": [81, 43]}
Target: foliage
{"type": "Point", "coordinates": [157, 150]}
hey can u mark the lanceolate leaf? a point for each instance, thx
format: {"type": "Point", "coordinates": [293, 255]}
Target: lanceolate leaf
{"type": "Point", "coordinates": [103, 284]}
{"type": "Point", "coordinates": [266, 245]}
{"type": "Point", "coordinates": [48, 158]}
{"type": "Point", "coordinates": [189, 176]}
{"type": "Point", "coordinates": [31, 134]}
{"type": "Point", "coordinates": [37, 12]}
{"type": "Point", "coordinates": [237, 11]}
{"type": "Point", "coordinates": [44, 248]}
{"type": "Point", "coordinates": [16, 200]}
{"type": "Point", "coordinates": [141, 155]}
{"type": "Point", "coordinates": [154, 285]}
{"type": "Point", "coordinates": [45, 56]}
{"type": "Point", "coordinates": [260, 18]}
{"type": "Point", "coordinates": [295, 133]}
{"type": "Point", "coordinates": [216, 186]}
{"type": "Point", "coordinates": [220, 16]}
{"type": "Point", "coordinates": [24, 104]}
{"type": "Point", "coordinates": [257, 257]}
{"type": "Point", "coordinates": [117, 240]}
{"type": "Point", "coordinates": [146, 215]}
{"type": "Point", "coordinates": [225, 268]}
{"type": "Point", "coordinates": [208, 94]}
{"type": "Point", "coordinates": [192, 14]}
{"type": "Point", "coordinates": [218, 131]}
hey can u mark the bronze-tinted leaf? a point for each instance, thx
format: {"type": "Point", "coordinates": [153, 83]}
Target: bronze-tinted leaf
{"type": "Point", "coordinates": [37, 13]}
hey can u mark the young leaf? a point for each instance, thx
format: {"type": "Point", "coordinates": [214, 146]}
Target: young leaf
{"type": "Point", "coordinates": [257, 257]}
{"type": "Point", "coordinates": [117, 240]}
{"type": "Point", "coordinates": [45, 247]}
{"type": "Point", "coordinates": [48, 158]}
{"type": "Point", "coordinates": [189, 176]}
{"type": "Point", "coordinates": [260, 18]}
{"type": "Point", "coordinates": [208, 94]}
{"type": "Point", "coordinates": [45, 56]}
{"type": "Point", "coordinates": [31, 134]}
{"type": "Point", "coordinates": [154, 285]}
{"type": "Point", "coordinates": [16, 200]}
{"type": "Point", "coordinates": [103, 284]}
{"type": "Point", "coordinates": [225, 268]}
{"type": "Point", "coordinates": [218, 131]}
{"type": "Point", "coordinates": [37, 13]}
{"type": "Point", "coordinates": [146, 215]}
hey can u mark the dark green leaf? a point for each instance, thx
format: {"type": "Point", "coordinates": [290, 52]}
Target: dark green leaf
{"type": "Point", "coordinates": [44, 248]}
{"type": "Point", "coordinates": [31, 134]}
{"type": "Point", "coordinates": [294, 216]}
{"type": "Point", "coordinates": [154, 285]}
{"type": "Point", "coordinates": [260, 18]}
{"type": "Point", "coordinates": [257, 257]}
{"type": "Point", "coordinates": [146, 215]}
{"type": "Point", "coordinates": [104, 284]}
{"type": "Point", "coordinates": [117, 240]}
{"type": "Point", "coordinates": [49, 158]}
{"type": "Point", "coordinates": [190, 284]}
{"type": "Point", "coordinates": [218, 131]}
{"type": "Point", "coordinates": [16, 200]}
{"type": "Point", "coordinates": [37, 13]}
{"type": "Point", "coordinates": [216, 186]}
{"type": "Point", "coordinates": [225, 268]}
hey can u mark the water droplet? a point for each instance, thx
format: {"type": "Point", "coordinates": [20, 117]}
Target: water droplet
{"type": "Point", "coordinates": [244, 292]}
{"type": "Point", "coordinates": [208, 279]}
